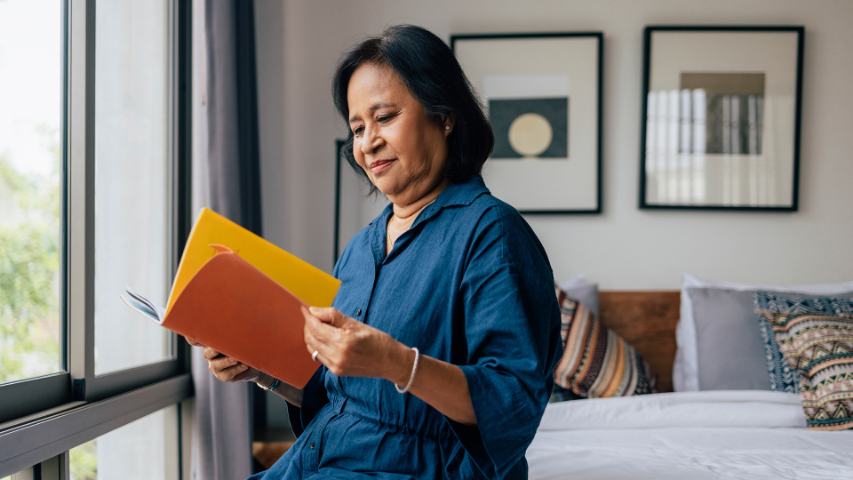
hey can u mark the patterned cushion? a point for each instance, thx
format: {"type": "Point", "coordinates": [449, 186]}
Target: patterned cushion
{"type": "Point", "coordinates": [783, 378]}
{"type": "Point", "coordinates": [596, 362]}
{"type": "Point", "coordinates": [815, 337]}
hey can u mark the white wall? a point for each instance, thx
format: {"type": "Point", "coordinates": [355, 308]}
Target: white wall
{"type": "Point", "coordinates": [299, 42]}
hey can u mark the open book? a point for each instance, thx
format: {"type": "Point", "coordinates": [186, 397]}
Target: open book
{"type": "Point", "coordinates": [143, 305]}
{"type": "Point", "coordinates": [241, 295]}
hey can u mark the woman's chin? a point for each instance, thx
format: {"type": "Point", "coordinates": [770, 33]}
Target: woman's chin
{"type": "Point", "coordinates": [386, 185]}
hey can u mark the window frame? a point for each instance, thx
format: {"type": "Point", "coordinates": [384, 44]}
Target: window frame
{"type": "Point", "coordinates": [49, 390]}
{"type": "Point", "coordinates": [44, 417]}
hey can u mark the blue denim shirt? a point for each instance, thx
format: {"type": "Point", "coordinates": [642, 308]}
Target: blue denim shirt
{"type": "Point", "coordinates": [469, 283]}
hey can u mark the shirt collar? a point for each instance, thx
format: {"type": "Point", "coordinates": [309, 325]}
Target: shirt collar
{"type": "Point", "coordinates": [461, 193]}
{"type": "Point", "coordinates": [454, 194]}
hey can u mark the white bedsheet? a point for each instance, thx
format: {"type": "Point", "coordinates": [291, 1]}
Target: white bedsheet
{"type": "Point", "coordinates": [748, 434]}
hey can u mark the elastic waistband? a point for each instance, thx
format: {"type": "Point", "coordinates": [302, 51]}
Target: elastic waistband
{"type": "Point", "coordinates": [438, 431]}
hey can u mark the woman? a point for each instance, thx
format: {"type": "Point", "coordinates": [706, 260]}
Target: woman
{"type": "Point", "coordinates": [437, 356]}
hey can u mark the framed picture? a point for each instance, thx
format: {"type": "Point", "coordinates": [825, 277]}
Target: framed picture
{"type": "Point", "coordinates": [542, 95]}
{"type": "Point", "coordinates": [721, 117]}
{"type": "Point", "coordinates": [355, 207]}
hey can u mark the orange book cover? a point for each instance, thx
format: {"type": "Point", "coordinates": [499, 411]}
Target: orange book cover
{"type": "Point", "coordinates": [253, 319]}
{"type": "Point", "coordinates": [222, 299]}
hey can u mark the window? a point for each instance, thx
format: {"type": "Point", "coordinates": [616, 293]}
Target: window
{"type": "Point", "coordinates": [30, 168]}
{"type": "Point", "coordinates": [25, 475]}
{"type": "Point", "coordinates": [133, 191]}
{"type": "Point", "coordinates": [143, 450]}
{"type": "Point", "coordinates": [94, 188]}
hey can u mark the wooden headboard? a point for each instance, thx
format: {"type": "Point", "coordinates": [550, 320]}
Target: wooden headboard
{"type": "Point", "coordinates": [647, 321]}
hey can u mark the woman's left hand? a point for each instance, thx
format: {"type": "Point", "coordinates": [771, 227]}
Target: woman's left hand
{"type": "Point", "coordinates": [348, 347]}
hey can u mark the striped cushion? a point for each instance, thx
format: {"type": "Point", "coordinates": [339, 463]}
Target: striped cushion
{"type": "Point", "coordinates": [815, 336]}
{"type": "Point", "coordinates": [596, 362]}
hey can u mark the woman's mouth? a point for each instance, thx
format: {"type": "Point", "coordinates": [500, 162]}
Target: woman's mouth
{"type": "Point", "coordinates": [380, 166]}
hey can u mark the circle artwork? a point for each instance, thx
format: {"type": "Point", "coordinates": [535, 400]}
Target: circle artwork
{"type": "Point", "coordinates": [530, 134]}
{"type": "Point", "coordinates": [530, 128]}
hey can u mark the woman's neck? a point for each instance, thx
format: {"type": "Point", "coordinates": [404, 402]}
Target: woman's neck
{"type": "Point", "coordinates": [406, 212]}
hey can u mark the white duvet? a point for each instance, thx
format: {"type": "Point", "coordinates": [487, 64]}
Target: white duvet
{"type": "Point", "coordinates": [748, 434]}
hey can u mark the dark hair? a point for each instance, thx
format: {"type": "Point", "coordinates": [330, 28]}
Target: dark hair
{"type": "Point", "coordinates": [426, 65]}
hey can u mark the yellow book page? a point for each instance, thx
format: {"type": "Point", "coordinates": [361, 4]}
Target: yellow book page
{"type": "Point", "coordinates": [310, 284]}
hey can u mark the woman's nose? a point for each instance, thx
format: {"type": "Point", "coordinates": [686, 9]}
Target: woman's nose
{"type": "Point", "coordinates": [371, 140]}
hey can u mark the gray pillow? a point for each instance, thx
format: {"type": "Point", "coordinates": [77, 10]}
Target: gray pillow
{"type": "Point", "coordinates": [732, 353]}
{"type": "Point", "coordinates": [730, 349]}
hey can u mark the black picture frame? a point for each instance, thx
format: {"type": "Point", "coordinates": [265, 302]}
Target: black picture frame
{"type": "Point", "coordinates": [715, 178]}
{"type": "Point", "coordinates": [592, 202]}
{"type": "Point", "coordinates": [339, 145]}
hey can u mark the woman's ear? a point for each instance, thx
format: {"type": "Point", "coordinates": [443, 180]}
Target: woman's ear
{"type": "Point", "coordinates": [448, 125]}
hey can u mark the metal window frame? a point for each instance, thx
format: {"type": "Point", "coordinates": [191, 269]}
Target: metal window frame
{"type": "Point", "coordinates": [34, 442]}
{"type": "Point", "coordinates": [46, 416]}
{"type": "Point", "coordinates": [53, 389]}
{"type": "Point", "coordinates": [86, 384]}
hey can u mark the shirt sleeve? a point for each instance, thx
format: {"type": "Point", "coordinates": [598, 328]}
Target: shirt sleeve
{"type": "Point", "coordinates": [511, 325]}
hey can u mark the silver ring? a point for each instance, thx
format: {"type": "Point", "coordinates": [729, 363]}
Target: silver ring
{"type": "Point", "coordinates": [314, 355]}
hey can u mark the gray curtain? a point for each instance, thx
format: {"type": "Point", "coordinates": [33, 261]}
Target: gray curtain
{"type": "Point", "coordinates": [226, 179]}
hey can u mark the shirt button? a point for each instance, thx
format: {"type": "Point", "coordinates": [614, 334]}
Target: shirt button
{"type": "Point", "coordinates": [311, 446]}
{"type": "Point", "coordinates": [357, 312]}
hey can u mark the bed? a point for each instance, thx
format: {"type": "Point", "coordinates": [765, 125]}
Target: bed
{"type": "Point", "coordinates": [723, 434]}
{"type": "Point", "coordinates": [737, 434]}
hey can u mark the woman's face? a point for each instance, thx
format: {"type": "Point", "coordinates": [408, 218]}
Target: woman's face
{"type": "Point", "coordinates": [400, 148]}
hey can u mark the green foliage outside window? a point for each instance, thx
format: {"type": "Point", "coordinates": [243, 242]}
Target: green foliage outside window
{"type": "Point", "coordinates": [30, 334]}
{"type": "Point", "coordinates": [29, 274]}
{"type": "Point", "coordinates": [84, 461]}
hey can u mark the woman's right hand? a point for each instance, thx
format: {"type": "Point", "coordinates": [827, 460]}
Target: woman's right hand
{"type": "Point", "coordinates": [225, 368]}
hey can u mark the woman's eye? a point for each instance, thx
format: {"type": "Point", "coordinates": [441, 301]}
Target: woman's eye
{"type": "Point", "coordinates": [357, 131]}
{"type": "Point", "coordinates": [384, 118]}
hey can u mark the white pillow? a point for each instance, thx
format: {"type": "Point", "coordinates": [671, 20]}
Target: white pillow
{"type": "Point", "coordinates": [685, 370]}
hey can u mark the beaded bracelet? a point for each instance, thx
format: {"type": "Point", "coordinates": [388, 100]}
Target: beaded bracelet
{"type": "Point", "coordinates": [412, 376]}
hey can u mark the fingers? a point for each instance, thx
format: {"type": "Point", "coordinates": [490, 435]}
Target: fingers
{"type": "Point", "coordinates": [326, 323]}
{"type": "Point", "coordinates": [313, 343]}
{"type": "Point", "coordinates": [325, 348]}
{"type": "Point", "coordinates": [193, 342]}
{"type": "Point", "coordinates": [210, 353]}
{"type": "Point", "coordinates": [323, 313]}
{"type": "Point", "coordinates": [329, 315]}
{"type": "Point", "coordinates": [343, 344]}
{"type": "Point", "coordinates": [221, 363]}
{"type": "Point", "coordinates": [232, 374]}
{"type": "Point", "coordinates": [318, 328]}
{"type": "Point", "coordinates": [321, 337]}
{"type": "Point", "coordinates": [225, 368]}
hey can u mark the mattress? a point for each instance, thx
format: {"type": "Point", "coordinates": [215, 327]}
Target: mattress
{"type": "Point", "coordinates": [744, 434]}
